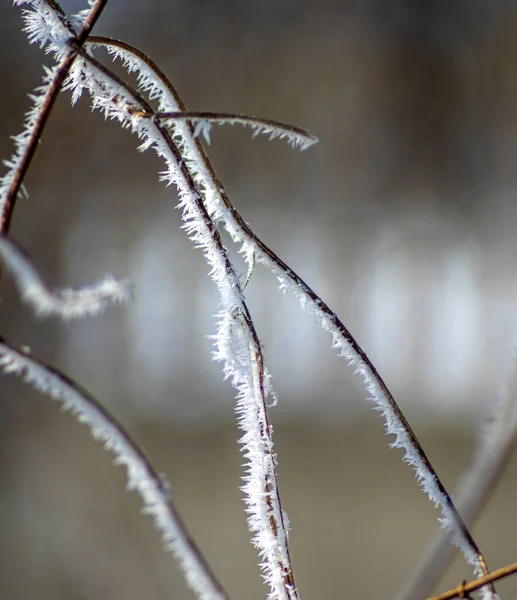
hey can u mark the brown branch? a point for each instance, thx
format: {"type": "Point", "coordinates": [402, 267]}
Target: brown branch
{"type": "Point", "coordinates": [295, 135]}
{"type": "Point", "coordinates": [464, 589]}
{"type": "Point", "coordinates": [46, 108]}
{"type": "Point", "coordinates": [104, 426]}
{"type": "Point", "coordinates": [278, 529]}
{"type": "Point", "coordinates": [475, 488]}
{"type": "Point", "coordinates": [278, 263]}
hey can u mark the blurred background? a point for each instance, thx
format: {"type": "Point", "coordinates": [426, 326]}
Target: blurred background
{"type": "Point", "coordinates": [403, 218]}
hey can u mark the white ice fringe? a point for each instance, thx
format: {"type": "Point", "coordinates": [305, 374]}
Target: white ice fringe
{"type": "Point", "coordinates": [150, 83]}
{"type": "Point", "coordinates": [235, 344]}
{"type": "Point", "coordinates": [103, 94]}
{"type": "Point", "coordinates": [22, 139]}
{"type": "Point", "coordinates": [67, 303]}
{"type": "Point", "coordinates": [253, 252]}
{"type": "Point", "coordinates": [294, 136]}
{"type": "Point", "coordinates": [155, 86]}
{"type": "Point", "coordinates": [171, 111]}
{"type": "Point", "coordinates": [44, 27]}
{"type": "Point", "coordinates": [141, 477]}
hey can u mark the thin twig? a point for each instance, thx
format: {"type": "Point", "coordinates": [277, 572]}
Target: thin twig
{"type": "Point", "coordinates": [201, 227]}
{"type": "Point", "coordinates": [282, 562]}
{"type": "Point", "coordinates": [464, 589]}
{"type": "Point", "coordinates": [141, 474]}
{"type": "Point", "coordinates": [240, 230]}
{"type": "Point", "coordinates": [66, 303]}
{"type": "Point", "coordinates": [477, 484]}
{"type": "Point", "coordinates": [46, 108]}
{"type": "Point", "coordinates": [275, 129]}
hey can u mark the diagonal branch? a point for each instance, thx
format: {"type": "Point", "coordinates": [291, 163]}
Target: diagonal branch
{"type": "Point", "coordinates": [237, 342]}
{"type": "Point", "coordinates": [29, 143]}
{"type": "Point", "coordinates": [465, 589]}
{"type": "Point", "coordinates": [141, 476]}
{"type": "Point", "coordinates": [158, 85]}
{"type": "Point", "coordinates": [475, 488]}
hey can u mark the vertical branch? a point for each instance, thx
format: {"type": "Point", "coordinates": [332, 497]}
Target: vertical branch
{"type": "Point", "coordinates": [261, 483]}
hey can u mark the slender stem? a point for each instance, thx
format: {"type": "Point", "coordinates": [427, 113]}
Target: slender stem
{"type": "Point", "coordinates": [46, 108]}
{"type": "Point", "coordinates": [296, 135]}
{"type": "Point", "coordinates": [464, 589]}
{"type": "Point", "coordinates": [271, 493]}
{"type": "Point", "coordinates": [475, 488]}
{"type": "Point", "coordinates": [331, 317]}
{"type": "Point", "coordinates": [141, 474]}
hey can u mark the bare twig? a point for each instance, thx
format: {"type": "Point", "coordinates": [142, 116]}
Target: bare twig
{"type": "Point", "coordinates": [464, 589]}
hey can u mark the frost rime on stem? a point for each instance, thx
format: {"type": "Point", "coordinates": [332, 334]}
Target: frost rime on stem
{"type": "Point", "coordinates": [107, 96]}
{"type": "Point", "coordinates": [236, 341]}
{"type": "Point", "coordinates": [22, 140]}
{"type": "Point", "coordinates": [45, 25]}
{"type": "Point", "coordinates": [141, 476]}
{"type": "Point", "coordinates": [67, 304]}
{"type": "Point", "coordinates": [252, 248]}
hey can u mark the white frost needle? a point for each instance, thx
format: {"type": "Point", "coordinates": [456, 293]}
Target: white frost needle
{"type": "Point", "coordinates": [237, 343]}
{"type": "Point", "coordinates": [67, 303]}
{"type": "Point", "coordinates": [46, 24]}
{"type": "Point", "coordinates": [295, 136]}
{"type": "Point", "coordinates": [141, 475]}
{"type": "Point", "coordinates": [252, 247]}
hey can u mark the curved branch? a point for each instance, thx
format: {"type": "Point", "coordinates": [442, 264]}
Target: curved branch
{"type": "Point", "coordinates": [476, 486]}
{"type": "Point", "coordinates": [295, 136]}
{"type": "Point", "coordinates": [237, 342]}
{"type": "Point", "coordinates": [67, 303]}
{"type": "Point", "coordinates": [158, 85]}
{"type": "Point", "coordinates": [141, 476]}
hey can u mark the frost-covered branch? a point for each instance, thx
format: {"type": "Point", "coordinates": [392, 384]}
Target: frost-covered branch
{"type": "Point", "coordinates": [295, 136]}
{"type": "Point", "coordinates": [67, 303]}
{"type": "Point", "coordinates": [203, 202]}
{"type": "Point", "coordinates": [153, 81]}
{"type": "Point", "coordinates": [141, 475]}
{"type": "Point", "coordinates": [494, 451]}
{"type": "Point", "coordinates": [45, 24]}
{"type": "Point", "coordinates": [237, 344]}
